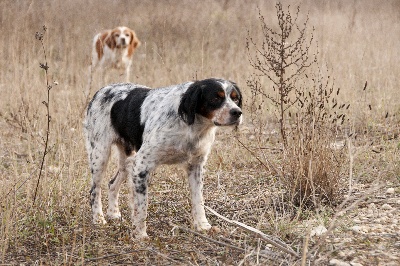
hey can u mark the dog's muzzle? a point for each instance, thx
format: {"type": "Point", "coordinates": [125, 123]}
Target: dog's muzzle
{"type": "Point", "coordinates": [235, 118]}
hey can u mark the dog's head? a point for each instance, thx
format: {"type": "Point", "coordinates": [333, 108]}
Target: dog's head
{"type": "Point", "coordinates": [218, 100]}
{"type": "Point", "coordinates": [123, 37]}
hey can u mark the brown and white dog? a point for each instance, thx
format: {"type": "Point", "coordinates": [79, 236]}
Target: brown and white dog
{"type": "Point", "coordinates": [114, 49]}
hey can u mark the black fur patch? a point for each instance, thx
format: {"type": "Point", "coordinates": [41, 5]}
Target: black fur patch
{"type": "Point", "coordinates": [108, 95]}
{"type": "Point", "coordinates": [141, 189]}
{"type": "Point", "coordinates": [200, 98]}
{"type": "Point", "coordinates": [91, 102]}
{"type": "Point", "coordinates": [125, 117]}
{"type": "Point", "coordinates": [239, 94]}
{"type": "Point", "coordinates": [113, 180]}
{"type": "Point", "coordinates": [92, 194]}
{"type": "Point", "coordinates": [143, 174]}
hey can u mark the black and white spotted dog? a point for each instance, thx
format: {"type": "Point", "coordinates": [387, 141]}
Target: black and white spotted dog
{"type": "Point", "coordinates": [150, 127]}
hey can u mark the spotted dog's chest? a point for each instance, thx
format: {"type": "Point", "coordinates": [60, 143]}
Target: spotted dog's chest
{"type": "Point", "coordinates": [178, 148]}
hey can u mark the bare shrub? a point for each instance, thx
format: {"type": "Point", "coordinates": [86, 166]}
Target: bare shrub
{"type": "Point", "coordinates": [306, 107]}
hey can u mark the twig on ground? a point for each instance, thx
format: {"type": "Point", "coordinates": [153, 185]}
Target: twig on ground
{"type": "Point", "coordinates": [133, 251]}
{"type": "Point", "coordinates": [115, 255]}
{"type": "Point", "coordinates": [265, 253]}
{"type": "Point", "coordinates": [165, 256]}
{"type": "Point", "coordinates": [281, 245]}
{"type": "Point", "coordinates": [305, 249]}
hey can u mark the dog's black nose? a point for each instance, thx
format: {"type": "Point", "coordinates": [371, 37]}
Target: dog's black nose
{"type": "Point", "coordinates": [236, 112]}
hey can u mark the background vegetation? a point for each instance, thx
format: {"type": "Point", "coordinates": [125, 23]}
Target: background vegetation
{"type": "Point", "coordinates": [355, 42]}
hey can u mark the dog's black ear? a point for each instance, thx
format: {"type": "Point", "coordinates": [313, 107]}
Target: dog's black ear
{"type": "Point", "coordinates": [189, 103]}
{"type": "Point", "coordinates": [239, 92]}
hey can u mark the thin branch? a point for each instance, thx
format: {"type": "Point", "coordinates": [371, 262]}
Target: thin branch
{"type": "Point", "coordinates": [255, 156]}
{"type": "Point", "coordinates": [258, 233]}
{"type": "Point", "coordinates": [305, 249]}
{"type": "Point", "coordinates": [115, 255]}
{"type": "Point", "coordinates": [265, 253]}
{"type": "Point", "coordinates": [166, 257]}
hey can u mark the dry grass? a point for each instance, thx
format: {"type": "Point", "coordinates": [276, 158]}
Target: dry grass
{"type": "Point", "coordinates": [181, 41]}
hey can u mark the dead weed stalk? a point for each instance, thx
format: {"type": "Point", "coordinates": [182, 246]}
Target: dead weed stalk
{"type": "Point", "coordinates": [39, 36]}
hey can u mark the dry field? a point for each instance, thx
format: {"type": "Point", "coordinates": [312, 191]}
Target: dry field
{"type": "Point", "coordinates": [358, 41]}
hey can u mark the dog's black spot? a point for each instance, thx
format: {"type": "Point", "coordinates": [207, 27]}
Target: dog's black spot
{"type": "Point", "coordinates": [92, 144]}
{"type": "Point", "coordinates": [91, 102]}
{"type": "Point", "coordinates": [143, 174]}
{"type": "Point", "coordinates": [108, 96]}
{"type": "Point", "coordinates": [141, 183]}
{"type": "Point", "coordinates": [125, 118]}
{"type": "Point", "coordinates": [170, 114]}
{"type": "Point", "coordinates": [141, 188]}
{"type": "Point", "coordinates": [97, 135]}
{"type": "Point", "coordinates": [92, 194]}
{"type": "Point", "coordinates": [93, 188]}
{"type": "Point", "coordinates": [113, 180]}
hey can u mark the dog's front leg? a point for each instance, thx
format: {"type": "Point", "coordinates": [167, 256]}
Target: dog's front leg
{"type": "Point", "coordinates": [195, 173]}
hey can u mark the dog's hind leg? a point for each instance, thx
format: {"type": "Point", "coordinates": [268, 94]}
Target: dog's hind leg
{"type": "Point", "coordinates": [139, 169]}
{"type": "Point", "coordinates": [98, 159]}
{"type": "Point", "coordinates": [115, 184]}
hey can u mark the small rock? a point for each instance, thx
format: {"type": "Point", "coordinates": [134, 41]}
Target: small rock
{"type": "Point", "coordinates": [370, 213]}
{"type": "Point", "coordinates": [386, 207]}
{"type": "Point", "coordinates": [381, 220]}
{"type": "Point", "coordinates": [377, 228]}
{"type": "Point", "coordinates": [360, 229]}
{"type": "Point", "coordinates": [355, 264]}
{"type": "Point", "coordinates": [390, 190]}
{"type": "Point", "coordinates": [336, 262]}
{"type": "Point", "coordinates": [319, 230]}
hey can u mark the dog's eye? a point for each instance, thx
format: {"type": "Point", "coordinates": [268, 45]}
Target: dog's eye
{"type": "Point", "coordinates": [216, 99]}
{"type": "Point", "coordinates": [236, 100]}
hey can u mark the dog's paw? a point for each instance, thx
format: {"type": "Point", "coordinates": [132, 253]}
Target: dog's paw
{"type": "Point", "coordinates": [202, 226]}
{"type": "Point", "coordinates": [113, 214]}
{"type": "Point", "coordinates": [142, 236]}
{"type": "Point", "coordinates": [99, 219]}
